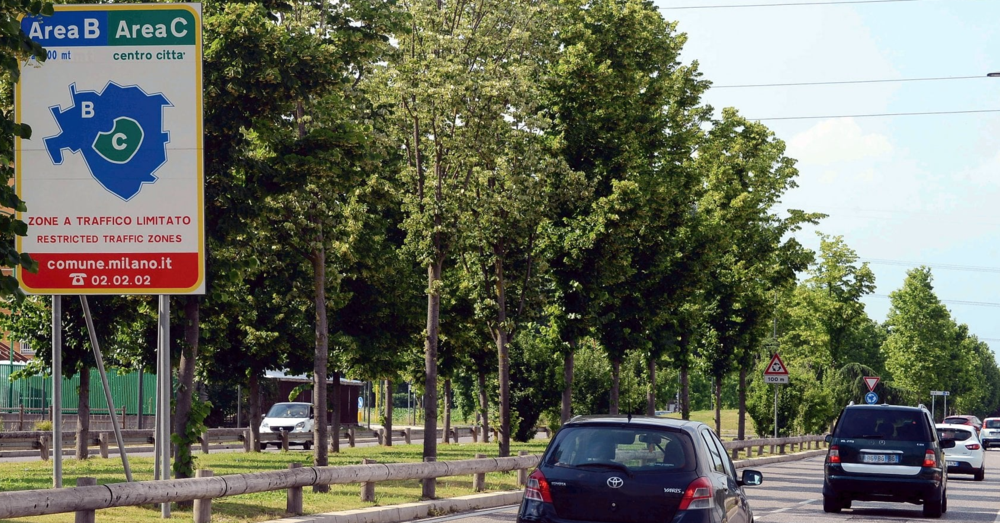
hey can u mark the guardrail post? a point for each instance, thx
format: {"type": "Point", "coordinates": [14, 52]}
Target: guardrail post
{"type": "Point", "coordinates": [781, 448]}
{"type": "Point", "coordinates": [43, 447]}
{"type": "Point", "coordinates": [381, 436]}
{"type": "Point", "coordinates": [522, 474]}
{"type": "Point", "coordinates": [736, 454]}
{"type": "Point", "coordinates": [85, 516]}
{"type": "Point", "coordinates": [246, 440]}
{"type": "Point", "coordinates": [294, 503]}
{"type": "Point", "coordinates": [20, 419]}
{"type": "Point", "coordinates": [204, 442]}
{"type": "Point", "coordinates": [284, 440]}
{"type": "Point", "coordinates": [350, 437]}
{"type": "Point", "coordinates": [760, 450]}
{"type": "Point", "coordinates": [406, 435]}
{"type": "Point", "coordinates": [203, 507]}
{"type": "Point", "coordinates": [479, 480]}
{"type": "Point", "coordinates": [368, 487]}
{"type": "Point", "coordinates": [102, 442]}
{"type": "Point", "coordinates": [475, 434]}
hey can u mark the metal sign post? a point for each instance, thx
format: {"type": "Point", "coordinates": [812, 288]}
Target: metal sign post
{"type": "Point", "coordinates": [163, 395]}
{"type": "Point", "coordinates": [57, 391]}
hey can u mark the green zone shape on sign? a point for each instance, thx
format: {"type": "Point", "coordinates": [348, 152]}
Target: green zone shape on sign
{"type": "Point", "coordinates": [121, 143]}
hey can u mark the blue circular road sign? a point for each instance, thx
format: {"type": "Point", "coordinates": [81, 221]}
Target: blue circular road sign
{"type": "Point", "coordinates": [871, 398]}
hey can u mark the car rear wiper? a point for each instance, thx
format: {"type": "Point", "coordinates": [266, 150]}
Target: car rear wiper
{"type": "Point", "coordinates": [610, 464]}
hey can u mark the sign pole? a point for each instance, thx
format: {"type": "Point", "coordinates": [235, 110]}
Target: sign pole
{"type": "Point", "coordinates": [163, 378]}
{"type": "Point", "coordinates": [776, 410]}
{"type": "Point", "coordinates": [933, 401]}
{"type": "Point", "coordinates": [57, 390]}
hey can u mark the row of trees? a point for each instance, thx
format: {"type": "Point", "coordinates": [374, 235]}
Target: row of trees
{"type": "Point", "coordinates": [473, 195]}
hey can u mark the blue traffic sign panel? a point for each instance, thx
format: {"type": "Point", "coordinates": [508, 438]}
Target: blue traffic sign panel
{"type": "Point", "coordinates": [871, 398]}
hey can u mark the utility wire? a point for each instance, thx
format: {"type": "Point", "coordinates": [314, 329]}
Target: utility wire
{"type": "Point", "coordinates": [873, 115]}
{"type": "Point", "coordinates": [787, 4]}
{"type": "Point", "coordinates": [957, 302]}
{"type": "Point", "coordinates": [968, 268]}
{"type": "Point", "coordinates": [842, 82]}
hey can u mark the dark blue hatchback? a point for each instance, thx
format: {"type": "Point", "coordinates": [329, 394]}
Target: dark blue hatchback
{"type": "Point", "coordinates": [638, 469]}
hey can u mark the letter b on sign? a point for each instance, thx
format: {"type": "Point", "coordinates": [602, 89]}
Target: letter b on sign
{"type": "Point", "coordinates": [87, 110]}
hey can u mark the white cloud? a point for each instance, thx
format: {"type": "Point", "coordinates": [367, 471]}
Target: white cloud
{"type": "Point", "coordinates": [837, 141]}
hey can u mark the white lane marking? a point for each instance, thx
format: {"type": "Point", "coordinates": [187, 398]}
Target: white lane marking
{"type": "Point", "coordinates": [799, 504]}
{"type": "Point", "coordinates": [997, 520]}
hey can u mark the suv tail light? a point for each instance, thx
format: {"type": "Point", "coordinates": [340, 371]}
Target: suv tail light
{"type": "Point", "coordinates": [538, 487]}
{"type": "Point", "coordinates": [972, 446]}
{"type": "Point", "coordinates": [697, 496]}
{"type": "Point", "coordinates": [833, 456]}
{"type": "Point", "coordinates": [930, 459]}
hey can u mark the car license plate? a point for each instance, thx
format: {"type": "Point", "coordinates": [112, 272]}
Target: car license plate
{"type": "Point", "coordinates": [952, 463]}
{"type": "Point", "coordinates": [880, 458]}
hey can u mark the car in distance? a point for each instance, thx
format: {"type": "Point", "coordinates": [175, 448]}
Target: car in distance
{"type": "Point", "coordinates": [990, 433]}
{"type": "Point", "coordinates": [886, 453]}
{"type": "Point", "coordinates": [296, 418]}
{"type": "Point", "coordinates": [964, 420]}
{"type": "Point", "coordinates": [967, 456]}
{"type": "Point", "coordinates": [636, 469]}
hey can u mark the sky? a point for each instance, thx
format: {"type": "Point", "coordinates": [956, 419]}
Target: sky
{"type": "Point", "coordinates": [902, 191]}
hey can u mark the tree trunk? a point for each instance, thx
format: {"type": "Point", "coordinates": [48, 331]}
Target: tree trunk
{"type": "Point", "coordinates": [503, 354]}
{"type": "Point", "coordinates": [335, 423]}
{"type": "Point", "coordinates": [484, 407]}
{"type": "Point", "coordinates": [253, 401]}
{"type": "Point", "coordinates": [446, 433]}
{"type": "Point", "coordinates": [83, 414]}
{"type": "Point", "coordinates": [567, 394]}
{"type": "Point", "coordinates": [616, 368]}
{"type": "Point", "coordinates": [651, 387]}
{"type": "Point", "coordinates": [388, 413]}
{"type": "Point", "coordinates": [430, 368]}
{"type": "Point", "coordinates": [741, 430]}
{"type": "Point", "coordinates": [185, 377]}
{"type": "Point", "coordinates": [320, 405]}
{"type": "Point", "coordinates": [685, 394]}
{"type": "Point", "coordinates": [717, 394]}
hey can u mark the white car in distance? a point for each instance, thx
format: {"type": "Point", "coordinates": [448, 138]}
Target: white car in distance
{"type": "Point", "coordinates": [968, 456]}
{"type": "Point", "coordinates": [294, 417]}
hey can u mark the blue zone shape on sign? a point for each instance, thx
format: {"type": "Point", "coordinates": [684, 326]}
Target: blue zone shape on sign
{"type": "Point", "coordinates": [871, 398]}
{"type": "Point", "coordinates": [119, 132]}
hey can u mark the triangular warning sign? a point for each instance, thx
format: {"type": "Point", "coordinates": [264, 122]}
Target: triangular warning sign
{"type": "Point", "coordinates": [776, 367]}
{"type": "Point", "coordinates": [871, 381]}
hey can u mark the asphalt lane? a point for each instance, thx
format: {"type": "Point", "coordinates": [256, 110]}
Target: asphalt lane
{"type": "Point", "coordinates": [792, 493]}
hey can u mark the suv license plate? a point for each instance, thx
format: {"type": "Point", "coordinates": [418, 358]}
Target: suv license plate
{"type": "Point", "coordinates": [880, 458]}
{"type": "Point", "coordinates": [952, 463]}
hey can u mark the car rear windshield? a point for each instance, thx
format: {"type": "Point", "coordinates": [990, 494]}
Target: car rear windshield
{"type": "Point", "coordinates": [883, 424]}
{"type": "Point", "coordinates": [992, 424]}
{"type": "Point", "coordinates": [638, 448]}
{"type": "Point", "coordinates": [956, 421]}
{"type": "Point", "coordinates": [955, 434]}
{"type": "Point", "coordinates": [286, 410]}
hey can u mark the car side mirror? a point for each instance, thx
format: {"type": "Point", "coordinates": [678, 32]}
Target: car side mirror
{"type": "Point", "coordinates": [751, 477]}
{"type": "Point", "coordinates": [947, 443]}
{"type": "Point", "coordinates": [828, 438]}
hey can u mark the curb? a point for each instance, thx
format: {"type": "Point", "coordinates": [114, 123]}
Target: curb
{"type": "Point", "coordinates": [440, 507]}
{"type": "Point", "coordinates": [410, 511]}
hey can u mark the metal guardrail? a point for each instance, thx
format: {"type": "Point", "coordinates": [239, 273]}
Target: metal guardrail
{"type": "Point", "coordinates": [776, 445]}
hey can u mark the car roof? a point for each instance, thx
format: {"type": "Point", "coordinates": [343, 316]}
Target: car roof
{"type": "Point", "coordinates": [602, 419]}
{"type": "Point", "coordinates": [887, 406]}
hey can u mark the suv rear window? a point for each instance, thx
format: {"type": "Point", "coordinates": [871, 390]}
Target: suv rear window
{"type": "Point", "coordinates": [992, 424]}
{"type": "Point", "coordinates": [883, 424]}
{"type": "Point", "coordinates": [636, 447]}
{"type": "Point", "coordinates": [956, 421]}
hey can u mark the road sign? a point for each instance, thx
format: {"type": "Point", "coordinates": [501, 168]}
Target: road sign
{"type": "Point", "coordinates": [871, 382]}
{"type": "Point", "coordinates": [113, 175]}
{"type": "Point", "coordinates": [939, 393]}
{"type": "Point", "coordinates": [776, 371]}
{"type": "Point", "coordinates": [871, 398]}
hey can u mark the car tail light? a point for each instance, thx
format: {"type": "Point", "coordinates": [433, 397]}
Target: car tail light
{"type": "Point", "coordinates": [538, 488]}
{"type": "Point", "coordinates": [833, 456]}
{"type": "Point", "coordinates": [697, 496]}
{"type": "Point", "coordinates": [930, 459]}
{"type": "Point", "coordinates": [972, 446]}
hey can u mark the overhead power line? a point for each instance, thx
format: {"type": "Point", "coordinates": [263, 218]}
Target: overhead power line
{"type": "Point", "coordinates": [843, 82]}
{"type": "Point", "coordinates": [967, 268]}
{"type": "Point", "coordinates": [788, 4]}
{"type": "Point", "coordinates": [956, 302]}
{"type": "Point", "coordinates": [874, 115]}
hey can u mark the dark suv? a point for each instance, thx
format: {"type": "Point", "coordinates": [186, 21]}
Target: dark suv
{"type": "Point", "coordinates": [636, 469]}
{"type": "Point", "coordinates": [886, 453]}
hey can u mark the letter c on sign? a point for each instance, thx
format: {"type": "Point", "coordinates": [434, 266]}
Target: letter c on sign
{"type": "Point", "coordinates": [173, 27]}
{"type": "Point", "coordinates": [118, 141]}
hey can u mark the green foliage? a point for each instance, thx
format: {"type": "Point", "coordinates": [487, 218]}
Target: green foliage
{"type": "Point", "coordinates": [184, 461]}
{"type": "Point", "coordinates": [535, 378]}
{"type": "Point", "coordinates": [299, 389]}
{"type": "Point", "coordinates": [44, 425]}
